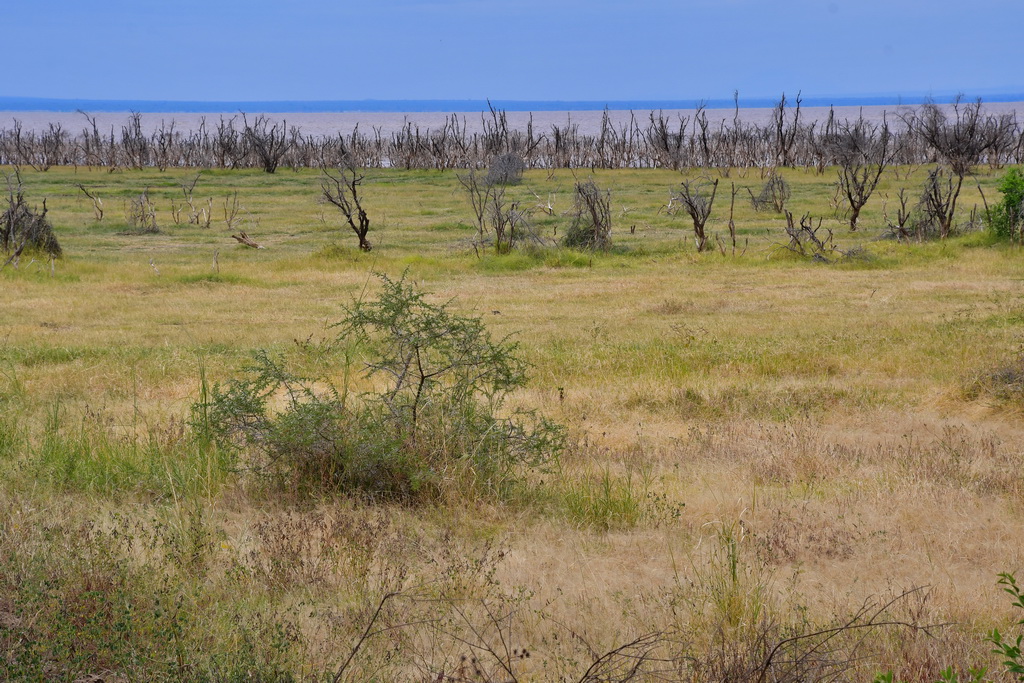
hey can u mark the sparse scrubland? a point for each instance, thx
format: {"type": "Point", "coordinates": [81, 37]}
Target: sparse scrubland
{"type": "Point", "coordinates": [794, 454]}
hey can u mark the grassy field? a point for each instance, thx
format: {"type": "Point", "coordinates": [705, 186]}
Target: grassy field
{"type": "Point", "coordinates": [768, 456]}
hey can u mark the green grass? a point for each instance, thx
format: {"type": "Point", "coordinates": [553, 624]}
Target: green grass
{"type": "Point", "coordinates": [604, 501]}
{"type": "Point", "coordinates": [760, 435]}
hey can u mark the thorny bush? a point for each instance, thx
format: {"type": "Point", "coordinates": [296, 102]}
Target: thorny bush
{"type": "Point", "coordinates": [1007, 217]}
{"type": "Point", "coordinates": [435, 423]}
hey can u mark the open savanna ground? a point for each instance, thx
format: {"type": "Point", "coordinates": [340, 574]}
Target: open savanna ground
{"type": "Point", "coordinates": [775, 468]}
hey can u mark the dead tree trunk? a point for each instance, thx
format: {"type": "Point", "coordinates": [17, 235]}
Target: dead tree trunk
{"type": "Point", "coordinates": [268, 142]}
{"type": "Point", "coordinates": [862, 153]}
{"type": "Point", "coordinates": [695, 199]}
{"type": "Point", "coordinates": [341, 189]}
{"type": "Point", "coordinates": [243, 238]}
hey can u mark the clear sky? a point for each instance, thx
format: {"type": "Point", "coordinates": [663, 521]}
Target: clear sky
{"type": "Point", "coordinates": [228, 50]}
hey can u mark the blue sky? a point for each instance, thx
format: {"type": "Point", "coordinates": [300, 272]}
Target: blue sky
{"type": "Point", "coordinates": [229, 50]}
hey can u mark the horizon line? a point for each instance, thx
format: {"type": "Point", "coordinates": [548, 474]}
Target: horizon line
{"type": "Point", "coordinates": [468, 104]}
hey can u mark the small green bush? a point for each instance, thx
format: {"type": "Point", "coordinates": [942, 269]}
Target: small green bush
{"type": "Point", "coordinates": [1007, 217]}
{"type": "Point", "coordinates": [1007, 648]}
{"type": "Point", "coordinates": [434, 425]}
{"type": "Point", "coordinates": [1010, 649]}
{"type": "Point", "coordinates": [78, 603]}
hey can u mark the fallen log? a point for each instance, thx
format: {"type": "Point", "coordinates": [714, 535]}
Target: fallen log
{"type": "Point", "coordinates": [247, 241]}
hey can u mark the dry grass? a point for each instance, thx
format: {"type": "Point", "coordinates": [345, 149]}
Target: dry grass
{"type": "Point", "coordinates": [760, 446]}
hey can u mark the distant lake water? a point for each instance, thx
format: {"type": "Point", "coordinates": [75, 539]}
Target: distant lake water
{"type": "Point", "coordinates": [332, 123]}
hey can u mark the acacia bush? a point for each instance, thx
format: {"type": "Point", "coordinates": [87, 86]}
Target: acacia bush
{"type": "Point", "coordinates": [434, 425]}
{"type": "Point", "coordinates": [1007, 217]}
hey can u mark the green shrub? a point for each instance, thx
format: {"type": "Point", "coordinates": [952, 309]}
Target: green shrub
{"type": "Point", "coordinates": [1007, 217]}
{"type": "Point", "coordinates": [1010, 650]}
{"type": "Point", "coordinates": [79, 603]}
{"type": "Point", "coordinates": [435, 424]}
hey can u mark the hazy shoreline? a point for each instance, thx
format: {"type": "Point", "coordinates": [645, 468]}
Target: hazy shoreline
{"type": "Point", "coordinates": [331, 123]}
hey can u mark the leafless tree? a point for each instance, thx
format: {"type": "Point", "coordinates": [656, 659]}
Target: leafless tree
{"type": "Point", "coordinates": [964, 140]}
{"type": "Point", "coordinates": [97, 203]}
{"type": "Point", "coordinates": [228, 148]}
{"type": "Point", "coordinates": [163, 145]}
{"type": "Point", "coordinates": [495, 214]}
{"type": "Point", "coordinates": [960, 136]}
{"type": "Point", "coordinates": [480, 197]}
{"type": "Point", "coordinates": [91, 142]}
{"type": "Point", "coordinates": [40, 151]}
{"type": "Point", "coordinates": [506, 169]}
{"type": "Point", "coordinates": [15, 146]}
{"type": "Point", "coordinates": [141, 213]}
{"type": "Point", "coordinates": [591, 226]}
{"type": "Point", "coordinates": [52, 148]}
{"type": "Point", "coordinates": [698, 198]}
{"type": "Point", "coordinates": [732, 224]}
{"type": "Point", "coordinates": [937, 205]}
{"type": "Point", "coordinates": [495, 136]}
{"type": "Point", "coordinates": [193, 147]}
{"type": "Point", "coordinates": [773, 196]}
{"type": "Point", "coordinates": [195, 216]}
{"type": "Point", "coordinates": [341, 189]}
{"type": "Point", "coordinates": [231, 209]}
{"type": "Point", "coordinates": [862, 152]}
{"type": "Point", "coordinates": [667, 143]}
{"type": "Point", "coordinates": [808, 240]}
{"type": "Point", "coordinates": [508, 222]}
{"type": "Point", "coordinates": [301, 150]}
{"type": "Point", "coordinates": [267, 141]}
{"type": "Point", "coordinates": [134, 142]}
{"type": "Point", "coordinates": [785, 131]}
{"type": "Point", "coordinates": [900, 229]}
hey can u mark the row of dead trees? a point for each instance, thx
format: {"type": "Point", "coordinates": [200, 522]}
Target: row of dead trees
{"type": "Point", "coordinates": [861, 152]}
{"type": "Point", "coordinates": [963, 131]}
{"type": "Point", "coordinates": [956, 141]}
